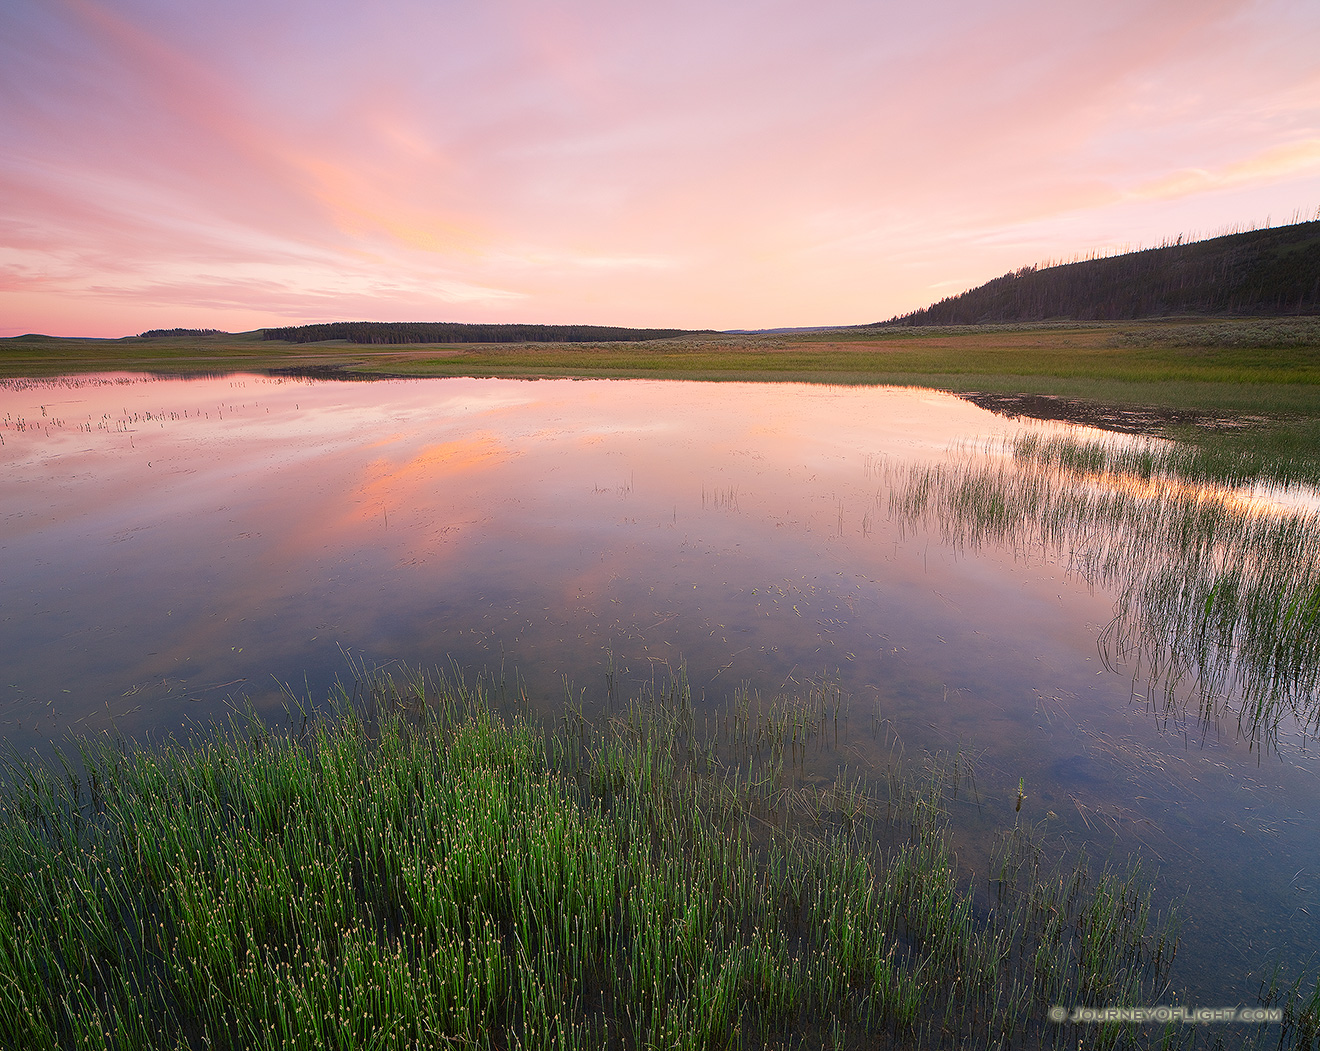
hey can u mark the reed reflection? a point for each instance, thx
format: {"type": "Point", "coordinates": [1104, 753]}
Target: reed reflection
{"type": "Point", "coordinates": [1218, 590]}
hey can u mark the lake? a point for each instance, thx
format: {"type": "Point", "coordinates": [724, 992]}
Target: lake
{"type": "Point", "coordinates": [175, 549]}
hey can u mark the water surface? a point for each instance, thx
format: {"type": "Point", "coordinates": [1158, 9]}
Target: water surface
{"type": "Point", "coordinates": [172, 549]}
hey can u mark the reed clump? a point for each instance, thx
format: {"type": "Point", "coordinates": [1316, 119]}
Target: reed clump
{"type": "Point", "coordinates": [1218, 588]}
{"type": "Point", "coordinates": [1204, 462]}
{"type": "Point", "coordinates": [424, 873]}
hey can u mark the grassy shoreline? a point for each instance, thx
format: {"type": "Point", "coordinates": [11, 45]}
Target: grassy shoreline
{"type": "Point", "coordinates": [1251, 352]}
{"type": "Point", "coordinates": [422, 873]}
{"type": "Point", "coordinates": [1232, 383]}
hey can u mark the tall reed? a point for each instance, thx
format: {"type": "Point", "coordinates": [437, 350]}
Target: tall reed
{"type": "Point", "coordinates": [419, 872]}
{"type": "Point", "coordinates": [1218, 589]}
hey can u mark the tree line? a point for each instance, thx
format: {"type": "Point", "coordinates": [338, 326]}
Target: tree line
{"type": "Point", "coordinates": [455, 332]}
{"type": "Point", "coordinates": [1260, 272]}
{"type": "Point", "coordinates": [156, 333]}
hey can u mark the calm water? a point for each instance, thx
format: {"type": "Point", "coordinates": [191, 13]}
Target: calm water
{"type": "Point", "coordinates": [170, 548]}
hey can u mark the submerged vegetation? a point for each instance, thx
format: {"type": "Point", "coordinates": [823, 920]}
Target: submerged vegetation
{"type": "Point", "coordinates": [1219, 590]}
{"type": "Point", "coordinates": [417, 872]}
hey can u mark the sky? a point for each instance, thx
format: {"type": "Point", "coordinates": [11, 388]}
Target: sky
{"type": "Point", "coordinates": [695, 164]}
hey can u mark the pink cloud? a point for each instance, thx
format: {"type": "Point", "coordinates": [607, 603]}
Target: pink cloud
{"type": "Point", "coordinates": [1281, 162]}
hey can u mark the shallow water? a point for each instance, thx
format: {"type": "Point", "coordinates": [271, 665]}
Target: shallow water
{"type": "Point", "coordinates": [172, 549]}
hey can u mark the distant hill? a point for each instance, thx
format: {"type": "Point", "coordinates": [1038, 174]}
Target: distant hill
{"type": "Point", "coordinates": [1262, 272]}
{"type": "Point", "coordinates": [453, 332]}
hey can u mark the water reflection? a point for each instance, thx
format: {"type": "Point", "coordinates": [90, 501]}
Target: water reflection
{"type": "Point", "coordinates": [172, 547]}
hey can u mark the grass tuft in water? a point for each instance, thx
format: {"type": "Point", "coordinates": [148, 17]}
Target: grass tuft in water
{"type": "Point", "coordinates": [418, 872]}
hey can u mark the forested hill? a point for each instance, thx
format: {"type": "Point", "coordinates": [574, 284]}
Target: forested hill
{"type": "Point", "coordinates": [1262, 272]}
{"type": "Point", "coordinates": [453, 332]}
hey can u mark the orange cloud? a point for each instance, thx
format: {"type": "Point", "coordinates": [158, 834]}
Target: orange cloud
{"type": "Point", "coordinates": [1282, 162]}
{"type": "Point", "coordinates": [360, 207]}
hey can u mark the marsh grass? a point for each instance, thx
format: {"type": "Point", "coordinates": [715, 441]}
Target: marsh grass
{"type": "Point", "coordinates": [724, 498]}
{"type": "Point", "coordinates": [1218, 590]}
{"type": "Point", "coordinates": [419, 872]}
{"type": "Point", "coordinates": [1284, 451]}
{"type": "Point", "coordinates": [1226, 463]}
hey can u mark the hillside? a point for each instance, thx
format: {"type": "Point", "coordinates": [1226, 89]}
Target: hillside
{"type": "Point", "coordinates": [1262, 272]}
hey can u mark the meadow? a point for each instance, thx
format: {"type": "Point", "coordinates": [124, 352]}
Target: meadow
{"type": "Point", "coordinates": [1174, 357]}
{"type": "Point", "coordinates": [1206, 380]}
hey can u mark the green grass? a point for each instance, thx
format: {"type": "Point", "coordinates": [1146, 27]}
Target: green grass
{"type": "Point", "coordinates": [420, 873]}
{"type": "Point", "coordinates": [1282, 351]}
{"type": "Point", "coordinates": [1202, 463]}
{"type": "Point", "coordinates": [1285, 451]}
{"type": "Point", "coordinates": [1262, 374]}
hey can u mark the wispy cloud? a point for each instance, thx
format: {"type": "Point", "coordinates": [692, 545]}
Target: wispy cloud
{"type": "Point", "coordinates": [1282, 162]}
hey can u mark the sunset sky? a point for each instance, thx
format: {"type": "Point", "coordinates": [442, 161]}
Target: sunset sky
{"type": "Point", "coordinates": [720, 163]}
